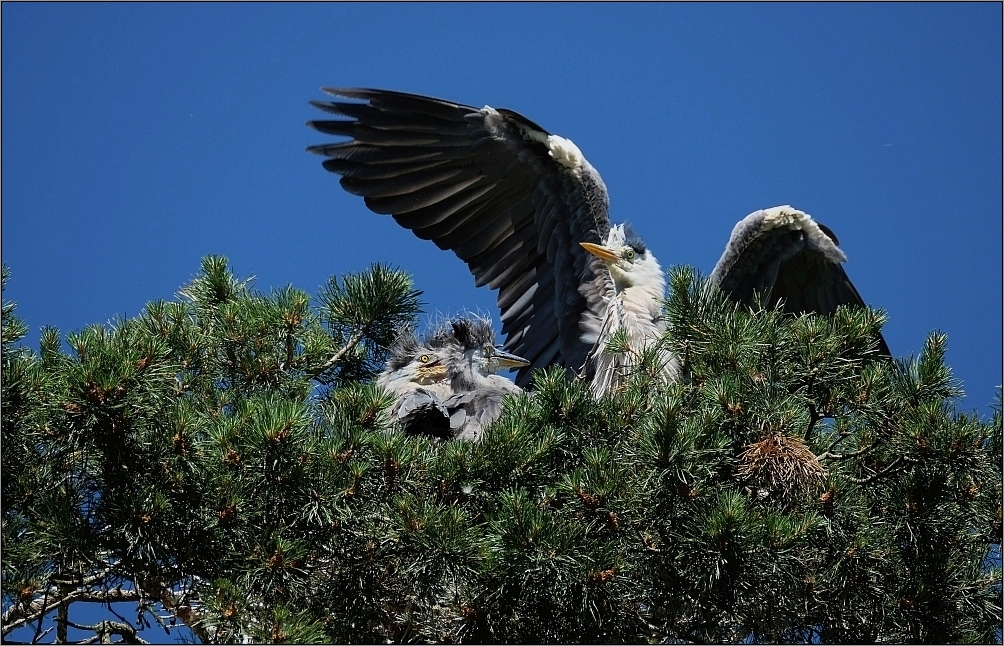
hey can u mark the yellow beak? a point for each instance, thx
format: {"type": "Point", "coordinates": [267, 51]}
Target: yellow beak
{"type": "Point", "coordinates": [431, 373]}
{"type": "Point", "coordinates": [603, 253]}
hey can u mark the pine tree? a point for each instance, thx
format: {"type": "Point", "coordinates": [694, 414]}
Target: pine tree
{"type": "Point", "coordinates": [224, 461]}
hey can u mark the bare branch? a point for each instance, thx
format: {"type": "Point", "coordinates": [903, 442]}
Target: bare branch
{"type": "Point", "coordinates": [827, 455]}
{"type": "Point", "coordinates": [356, 337]}
{"type": "Point", "coordinates": [19, 615]}
{"type": "Point", "coordinates": [104, 630]}
{"type": "Point", "coordinates": [877, 474]}
{"type": "Point", "coordinates": [110, 596]}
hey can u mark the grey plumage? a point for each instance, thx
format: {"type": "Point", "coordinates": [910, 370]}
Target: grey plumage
{"type": "Point", "coordinates": [784, 252]}
{"type": "Point", "coordinates": [471, 411]}
{"type": "Point", "coordinates": [444, 385]}
{"type": "Point", "coordinates": [631, 301]}
{"type": "Point", "coordinates": [422, 412]}
{"type": "Point", "coordinates": [416, 374]}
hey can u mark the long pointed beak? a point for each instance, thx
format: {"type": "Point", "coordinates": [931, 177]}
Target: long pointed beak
{"type": "Point", "coordinates": [507, 360]}
{"type": "Point", "coordinates": [603, 253]}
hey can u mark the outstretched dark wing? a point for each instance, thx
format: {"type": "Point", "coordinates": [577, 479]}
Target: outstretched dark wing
{"type": "Point", "coordinates": [785, 252]}
{"type": "Point", "coordinates": [507, 198]}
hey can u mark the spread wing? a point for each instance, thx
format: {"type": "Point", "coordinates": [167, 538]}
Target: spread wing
{"type": "Point", "coordinates": [508, 198]}
{"type": "Point", "coordinates": [785, 252]}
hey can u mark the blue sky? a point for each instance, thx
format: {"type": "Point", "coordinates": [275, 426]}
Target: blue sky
{"type": "Point", "coordinates": [137, 138]}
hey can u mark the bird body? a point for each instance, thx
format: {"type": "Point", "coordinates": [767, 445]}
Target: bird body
{"type": "Point", "coordinates": [445, 385]}
{"type": "Point", "coordinates": [471, 411]}
{"type": "Point", "coordinates": [784, 253]}
{"type": "Point", "coordinates": [632, 301]}
{"type": "Point", "coordinates": [416, 375]}
{"type": "Point", "coordinates": [765, 240]}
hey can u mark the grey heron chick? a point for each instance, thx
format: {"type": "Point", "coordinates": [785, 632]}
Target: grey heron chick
{"type": "Point", "coordinates": [794, 259]}
{"type": "Point", "coordinates": [445, 385]}
{"type": "Point", "coordinates": [631, 301]}
{"type": "Point", "coordinates": [416, 375]}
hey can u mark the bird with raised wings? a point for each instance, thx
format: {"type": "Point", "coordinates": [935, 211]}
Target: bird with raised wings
{"type": "Point", "coordinates": [794, 259]}
{"type": "Point", "coordinates": [445, 385]}
{"type": "Point", "coordinates": [529, 215]}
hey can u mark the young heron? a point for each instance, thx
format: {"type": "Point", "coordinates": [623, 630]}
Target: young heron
{"type": "Point", "coordinates": [445, 385]}
{"type": "Point", "coordinates": [529, 215]}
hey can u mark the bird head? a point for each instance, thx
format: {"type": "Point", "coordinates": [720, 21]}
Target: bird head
{"type": "Point", "coordinates": [427, 368]}
{"type": "Point", "coordinates": [490, 358]}
{"type": "Point", "coordinates": [469, 351]}
{"type": "Point", "coordinates": [628, 259]}
{"type": "Point", "coordinates": [415, 362]}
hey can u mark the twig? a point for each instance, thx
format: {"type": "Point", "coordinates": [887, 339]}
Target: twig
{"type": "Point", "coordinates": [38, 628]}
{"type": "Point", "coordinates": [877, 474]}
{"type": "Point", "coordinates": [62, 614]}
{"type": "Point", "coordinates": [814, 415]}
{"type": "Point", "coordinates": [840, 438]}
{"type": "Point", "coordinates": [105, 629]}
{"type": "Point", "coordinates": [177, 604]}
{"type": "Point", "coordinates": [117, 595]}
{"type": "Point", "coordinates": [17, 617]}
{"type": "Point", "coordinates": [33, 641]}
{"type": "Point", "coordinates": [351, 343]}
{"type": "Point", "coordinates": [827, 455]}
{"type": "Point", "coordinates": [37, 609]}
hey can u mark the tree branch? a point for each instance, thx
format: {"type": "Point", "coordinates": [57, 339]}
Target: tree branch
{"type": "Point", "coordinates": [39, 608]}
{"type": "Point", "coordinates": [877, 474]}
{"type": "Point", "coordinates": [827, 455]}
{"type": "Point", "coordinates": [18, 617]}
{"type": "Point", "coordinates": [351, 343]}
{"type": "Point", "coordinates": [814, 415]}
{"type": "Point", "coordinates": [104, 630]}
{"type": "Point", "coordinates": [25, 615]}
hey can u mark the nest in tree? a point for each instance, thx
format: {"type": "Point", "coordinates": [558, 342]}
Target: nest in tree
{"type": "Point", "coordinates": [781, 466]}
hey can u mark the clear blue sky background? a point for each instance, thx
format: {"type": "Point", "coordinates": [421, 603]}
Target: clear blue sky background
{"type": "Point", "coordinates": [139, 137]}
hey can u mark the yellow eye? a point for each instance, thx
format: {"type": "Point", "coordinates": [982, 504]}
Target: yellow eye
{"type": "Point", "coordinates": [629, 254]}
{"type": "Point", "coordinates": [424, 358]}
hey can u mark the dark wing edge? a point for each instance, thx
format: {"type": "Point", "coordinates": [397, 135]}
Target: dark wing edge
{"type": "Point", "coordinates": [809, 282]}
{"type": "Point", "coordinates": [784, 251]}
{"type": "Point", "coordinates": [507, 198]}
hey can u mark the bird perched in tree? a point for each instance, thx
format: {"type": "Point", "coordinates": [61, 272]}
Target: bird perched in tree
{"type": "Point", "coordinates": [416, 375]}
{"type": "Point", "coordinates": [445, 385]}
{"type": "Point", "coordinates": [794, 259]}
{"type": "Point", "coordinates": [631, 299]}
{"type": "Point", "coordinates": [527, 213]}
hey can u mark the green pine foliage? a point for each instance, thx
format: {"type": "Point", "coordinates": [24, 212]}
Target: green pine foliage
{"type": "Point", "coordinates": [224, 461]}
